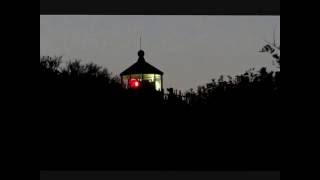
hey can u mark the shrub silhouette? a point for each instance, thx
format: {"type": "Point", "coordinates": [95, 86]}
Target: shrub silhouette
{"type": "Point", "coordinates": [76, 98]}
{"type": "Point", "coordinates": [92, 87]}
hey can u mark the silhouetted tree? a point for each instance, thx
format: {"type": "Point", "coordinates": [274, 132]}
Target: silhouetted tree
{"type": "Point", "coordinates": [87, 85]}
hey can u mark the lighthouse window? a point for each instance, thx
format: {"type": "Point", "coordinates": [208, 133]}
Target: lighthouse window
{"type": "Point", "coordinates": [158, 82]}
{"type": "Point", "coordinates": [136, 76]}
{"type": "Point", "coordinates": [148, 77]}
{"type": "Point", "coordinates": [142, 80]}
{"type": "Point", "coordinates": [125, 80]}
{"type": "Point", "coordinates": [134, 83]}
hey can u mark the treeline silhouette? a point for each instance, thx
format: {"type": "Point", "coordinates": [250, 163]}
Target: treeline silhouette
{"type": "Point", "coordinates": [90, 122]}
{"type": "Point", "coordinates": [90, 85]}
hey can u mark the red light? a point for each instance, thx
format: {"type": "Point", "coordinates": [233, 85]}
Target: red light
{"type": "Point", "coordinates": [134, 83]}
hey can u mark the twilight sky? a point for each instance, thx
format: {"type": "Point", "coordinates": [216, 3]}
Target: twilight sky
{"type": "Point", "coordinates": [190, 50]}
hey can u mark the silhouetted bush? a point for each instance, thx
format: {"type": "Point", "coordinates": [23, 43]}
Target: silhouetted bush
{"type": "Point", "coordinates": [92, 87]}
{"type": "Point", "coordinates": [83, 107]}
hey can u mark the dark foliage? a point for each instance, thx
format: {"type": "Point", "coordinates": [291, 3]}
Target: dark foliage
{"type": "Point", "coordinates": [230, 122]}
{"type": "Point", "coordinates": [87, 84]}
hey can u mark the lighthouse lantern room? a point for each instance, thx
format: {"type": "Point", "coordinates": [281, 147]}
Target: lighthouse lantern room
{"type": "Point", "coordinates": [142, 75]}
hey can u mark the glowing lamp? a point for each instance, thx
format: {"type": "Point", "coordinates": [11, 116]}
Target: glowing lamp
{"type": "Point", "coordinates": [134, 83]}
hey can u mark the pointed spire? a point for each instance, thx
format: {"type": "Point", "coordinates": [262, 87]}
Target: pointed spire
{"type": "Point", "coordinates": [141, 52]}
{"type": "Point", "coordinates": [140, 42]}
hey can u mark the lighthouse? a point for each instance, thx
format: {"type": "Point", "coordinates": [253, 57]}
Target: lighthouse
{"type": "Point", "coordinates": [142, 75]}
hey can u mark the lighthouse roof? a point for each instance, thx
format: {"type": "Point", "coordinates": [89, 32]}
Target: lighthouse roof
{"type": "Point", "coordinates": [141, 67]}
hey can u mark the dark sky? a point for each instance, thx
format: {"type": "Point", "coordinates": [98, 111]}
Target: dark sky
{"type": "Point", "coordinates": [190, 50]}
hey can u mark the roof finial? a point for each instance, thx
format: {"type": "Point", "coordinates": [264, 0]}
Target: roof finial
{"type": "Point", "coordinates": [140, 52]}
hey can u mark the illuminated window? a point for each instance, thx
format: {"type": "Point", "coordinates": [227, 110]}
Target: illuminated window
{"type": "Point", "coordinates": [125, 81]}
{"type": "Point", "coordinates": [158, 82]}
{"type": "Point", "coordinates": [142, 80]}
{"type": "Point", "coordinates": [134, 83]}
{"type": "Point", "coordinates": [148, 77]}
